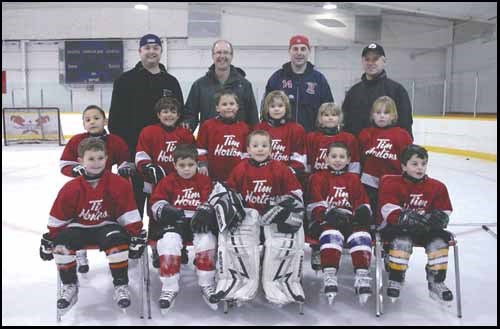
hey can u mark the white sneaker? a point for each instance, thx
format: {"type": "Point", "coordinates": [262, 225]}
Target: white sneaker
{"type": "Point", "coordinates": [330, 283]}
{"type": "Point", "coordinates": [208, 294]}
{"type": "Point", "coordinates": [69, 296]}
{"type": "Point", "coordinates": [82, 261]}
{"type": "Point", "coordinates": [362, 285]}
{"type": "Point", "coordinates": [122, 296]}
{"type": "Point", "coordinates": [167, 299]}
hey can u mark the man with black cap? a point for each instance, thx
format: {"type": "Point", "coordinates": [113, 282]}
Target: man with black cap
{"type": "Point", "coordinates": [374, 84]}
{"type": "Point", "coordinates": [135, 93]}
{"type": "Point", "coordinates": [305, 87]}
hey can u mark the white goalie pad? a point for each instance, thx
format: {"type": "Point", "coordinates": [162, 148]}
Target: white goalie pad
{"type": "Point", "coordinates": [282, 268]}
{"type": "Point", "coordinates": [238, 260]}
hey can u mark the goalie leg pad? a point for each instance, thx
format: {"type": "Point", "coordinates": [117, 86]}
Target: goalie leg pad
{"type": "Point", "coordinates": [360, 247]}
{"type": "Point", "coordinates": [169, 249]}
{"type": "Point", "coordinates": [331, 243]}
{"type": "Point", "coordinates": [282, 268]}
{"type": "Point", "coordinates": [238, 260]}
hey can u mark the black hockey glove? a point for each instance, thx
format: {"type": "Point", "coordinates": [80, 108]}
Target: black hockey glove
{"type": "Point", "coordinates": [154, 173]}
{"type": "Point", "coordinates": [338, 218]}
{"type": "Point", "coordinates": [127, 169]}
{"type": "Point", "coordinates": [137, 245]}
{"type": "Point", "coordinates": [438, 219]}
{"type": "Point", "coordinates": [169, 216]}
{"type": "Point", "coordinates": [46, 247]}
{"type": "Point", "coordinates": [362, 218]}
{"type": "Point", "coordinates": [411, 220]}
{"type": "Point", "coordinates": [204, 219]}
{"type": "Point", "coordinates": [288, 214]}
{"type": "Point", "coordinates": [78, 170]}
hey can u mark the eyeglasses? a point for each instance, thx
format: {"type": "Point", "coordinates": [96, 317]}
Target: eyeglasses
{"type": "Point", "coordinates": [225, 53]}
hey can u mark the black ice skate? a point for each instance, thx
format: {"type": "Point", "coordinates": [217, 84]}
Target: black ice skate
{"type": "Point", "coordinates": [440, 292]}
{"type": "Point", "coordinates": [362, 285]}
{"type": "Point", "coordinates": [330, 283]}
{"type": "Point", "coordinates": [167, 300]}
{"type": "Point", "coordinates": [122, 296]}
{"type": "Point", "coordinates": [68, 298]}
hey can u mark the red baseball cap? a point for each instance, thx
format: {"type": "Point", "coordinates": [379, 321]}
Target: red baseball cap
{"type": "Point", "coordinates": [299, 40]}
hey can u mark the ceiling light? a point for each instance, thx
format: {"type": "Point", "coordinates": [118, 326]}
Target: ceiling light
{"type": "Point", "coordinates": [141, 6]}
{"type": "Point", "coordinates": [330, 22]}
{"type": "Point", "coordinates": [329, 6]}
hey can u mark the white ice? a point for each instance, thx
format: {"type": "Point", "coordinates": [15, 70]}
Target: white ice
{"type": "Point", "coordinates": [31, 180]}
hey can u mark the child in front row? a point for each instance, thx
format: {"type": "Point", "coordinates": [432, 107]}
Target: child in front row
{"type": "Point", "coordinates": [177, 206]}
{"type": "Point", "coordinates": [414, 210]}
{"type": "Point", "coordinates": [96, 208]}
{"type": "Point", "coordinates": [341, 215]}
{"type": "Point", "coordinates": [154, 154]}
{"type": "Point", "coordinates": [221, 140]}
{"type": "Point", "coordinates": [94, 121]}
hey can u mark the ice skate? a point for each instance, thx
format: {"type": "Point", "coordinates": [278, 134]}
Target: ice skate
{"type": "Point", "coordinates": [167, 300]}
{"type": "Point", "coordinates": [440, 292]}
{"type": "Point", "coordinates": [68, 298]}
{"type": "Point", "coordinates": [362, 285]}
{"type": "Point", "coordinates": [330, 283]}
{"type": "Point", "coordinates": [122, 296]}
{"type": "Point", "coordinates": [82, 261]}
{"type": "Point", "coordinates": [208, 294]}
{"type": "Point", "coordinates": [393, 288]}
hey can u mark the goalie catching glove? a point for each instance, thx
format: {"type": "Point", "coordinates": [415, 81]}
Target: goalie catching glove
{"type": "Point", "coordinates": [228, 205]}
{"type": "Point", "coordinates": [287, 212]}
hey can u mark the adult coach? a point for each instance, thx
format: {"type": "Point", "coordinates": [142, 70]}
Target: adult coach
{"type": "Point", "coordinates": [221, 75]}
{"type": "Point", "coordinates": [306, 87]}
{"type": "Point", "coordinates": [134, 94]}
{"type": "Point", "coordinates": [374, 84]}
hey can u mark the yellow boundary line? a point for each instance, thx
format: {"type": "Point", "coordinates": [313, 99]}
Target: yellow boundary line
{"type": "Point", "coordinates": [466, 153]}
{"type": "Point", "coordinates": [455, 117]}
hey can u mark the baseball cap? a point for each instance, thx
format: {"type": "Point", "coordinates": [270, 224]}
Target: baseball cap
{"type": "Point", "coordinates": [374, 47]}
{"type": "Point", "coordinates": [299, 40]}
{"type": "Point", "coordinates": [149, 39]}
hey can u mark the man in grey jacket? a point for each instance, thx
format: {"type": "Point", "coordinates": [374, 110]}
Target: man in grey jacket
{"type": "Point", "coordinates": [200, 104]}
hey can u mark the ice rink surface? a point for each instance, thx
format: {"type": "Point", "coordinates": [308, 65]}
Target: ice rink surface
{"type": "Point", "coordinates": [31, 180]}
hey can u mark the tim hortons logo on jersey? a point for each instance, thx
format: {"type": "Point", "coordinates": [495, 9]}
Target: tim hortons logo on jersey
{"type": "Point", "coordinates": [278, 150]}
{"type": "Point", "coordinates": [321, 160]}
{"type": "Point", "coordinates": [95, 213]}
{"type": "Point", "coordinates": [229, 148]}
{"type": "Point", "coordinates": [260, 194]}
{"type": "Point", "coordinates": [166, 154]}
{"type": "Point", "coordinates": [287, 84]}
{"type": "Point", "coordinates": [382, 150]}
{"type": "Point", "coordinates": [188, 198]}
{"type": "Point", "coordinates": [340, 198]}
{"type": "Point", "coordinates": [417, 203]}
{"type": "Point", "coordinates": [311, 88]}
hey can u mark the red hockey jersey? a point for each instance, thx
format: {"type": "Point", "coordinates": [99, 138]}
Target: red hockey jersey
{"type": "Point", "coordinates": [185, 194]}
{"type": "Point", "coordinates": [340, 191]}
{"type": "Point", "coordinates": [260, 184]}
{"type": "Point", "coordinates": [317, 149]}
{"type": "Point", "coordinates": [380, 152]}
{"type": "Point", "coordinates": [78, 204]}
{"type": "Point", "coordinates": [397, 193]}
{"type": "Point", "coordinates": [288, 143]}
{"type": "Point", "coordinates": [222, 146]}
{"type": "Point", "coordinates": [116, 149]}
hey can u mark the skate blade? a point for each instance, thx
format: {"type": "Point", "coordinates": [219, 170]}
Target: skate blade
{"type": "Point", "coordinates": [445, 303]}
{"type": "Point", "coordinates": [363, 298]}
{"type": "Point", "coordinates": [213, 306]}
{"type": "Point", "coordinates": [63, 311]}
{"type": "Point", "coordinates": [393, 299]}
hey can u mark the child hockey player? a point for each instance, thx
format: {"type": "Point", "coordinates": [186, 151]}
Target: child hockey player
{"type": "Point", "coordinates": [97, 208]}
{"type": "Point", "coordinates": [154, 157]}
{"type": "Point", "coordinates": [94, 120]}
{"type": "Point", "coordinates": [270, 187]}
{"type": "Point", "coordinates": [288, 138]}
{"type": "Point", "coordinates": [179, 209]}
{"type": "Point", "coordinates": [221, 140]}
{"type": "Point", "coordinates": [340, 208]}
{"type": "Point", "coordinates": [381, 146]}
{"type": "Point", "coordinates": [415, 209]}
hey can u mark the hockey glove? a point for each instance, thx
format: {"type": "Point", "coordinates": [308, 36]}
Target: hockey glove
{"type": "Point", "coordinates": [169, 216]}
{"type": "Point", "coordinates": [411, 220]}
{"type": "Point", "coordinates": [204, 219]}
{"type": "Point", "coordinates": [46, 247]}
{"type": "Point", "coordinates": [78, 170]}
{"type": "Point", "coordinates": [438, 219]}
{"type": "Point", "coordinates": [362, 217]}
{"type": "Point", "coordinates": [338, 218]}
{"type": "Point", "coordinates": [287, 214]}
{"type": "Point", "coordinates": [137, 245]}
{"type": "Point", "coordinates": [127, 169]}
{"type": "Point", "coordinates": [154, 173]}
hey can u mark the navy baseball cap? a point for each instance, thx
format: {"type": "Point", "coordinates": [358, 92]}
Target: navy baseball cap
{"type": "Point", "coordinates": [373, 47]}
{"type": "Point", "coordinates": [149, 39]}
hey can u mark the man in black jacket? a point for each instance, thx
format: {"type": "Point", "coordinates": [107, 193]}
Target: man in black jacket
{"type": "Point", "coordinates": [374, 84]}
{"type": "Point", "coordinates": [221, 75]}
{"type": "Point", "coordinates": [134, 94]}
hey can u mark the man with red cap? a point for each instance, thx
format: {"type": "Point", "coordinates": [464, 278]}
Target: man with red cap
{"type": "Point", "coordinates": [305, 87]}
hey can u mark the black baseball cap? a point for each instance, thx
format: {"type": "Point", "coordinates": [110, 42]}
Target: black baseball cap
{"type": "Point", "coordinates": [149, 39]}
{"type": "Point", "coordinates": [373, 47]}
